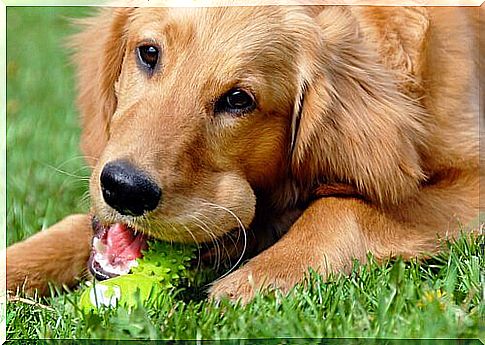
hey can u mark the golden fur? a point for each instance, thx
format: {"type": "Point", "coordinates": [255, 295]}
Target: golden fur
{"type": "Point", "coordinates": [365, 137]}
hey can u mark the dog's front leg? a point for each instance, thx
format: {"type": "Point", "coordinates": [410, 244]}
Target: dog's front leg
{"type": "Point", "coordinates": [327, 237]}
{"type": "Point", "coordinates": [58, 255]}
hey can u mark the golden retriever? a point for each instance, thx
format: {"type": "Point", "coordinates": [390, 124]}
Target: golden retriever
{"type": "Point", "coordinates": [298, 136]}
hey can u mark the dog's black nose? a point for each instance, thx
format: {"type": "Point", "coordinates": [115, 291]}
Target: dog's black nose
{"type": "Point", "coordinates": [129, 190]}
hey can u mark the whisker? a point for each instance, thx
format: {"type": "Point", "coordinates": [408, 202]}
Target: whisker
{"type": "Point", "coordinates": [198, 246]}
{"type": "Point", "coordinates": [213, 238]}
{"type": "Point", "coordinates": [241, 227]}
{"type": "Point", "coordinates": [66, 173]}
{"type": "Point", "coordinates": [219, 240]}
{"type": "Point", "coordinates": [85, 198]}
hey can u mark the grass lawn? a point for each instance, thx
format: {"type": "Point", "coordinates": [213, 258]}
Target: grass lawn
{"type": "Point", "coordinates": [46, 180]}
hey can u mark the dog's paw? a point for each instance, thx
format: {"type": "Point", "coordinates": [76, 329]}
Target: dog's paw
{"type": "Point", "coordinates": [238, 286]}
{"type": "Point", "coordinates": [243, 285]}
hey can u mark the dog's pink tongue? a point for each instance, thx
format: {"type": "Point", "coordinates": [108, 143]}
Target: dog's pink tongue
{"type": "Point", "coordinates": [123, 245]}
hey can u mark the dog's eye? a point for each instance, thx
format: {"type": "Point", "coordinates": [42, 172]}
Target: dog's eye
{"type": "Point", "coordinates": [148, 56]}
{"type": "Point", "coordinates": [236, 101]}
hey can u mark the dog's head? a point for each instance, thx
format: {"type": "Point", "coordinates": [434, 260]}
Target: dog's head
{"type": "Point", "coordinates": [190, 113]}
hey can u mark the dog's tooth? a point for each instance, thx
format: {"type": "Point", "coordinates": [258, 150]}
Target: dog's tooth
{"type": "Point", "coordinates": [98, 245]}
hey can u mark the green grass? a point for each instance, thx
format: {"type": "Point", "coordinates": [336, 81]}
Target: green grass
{"type": "Point", "coordinates": [440, 298]}
{"type": "Point", "coordinates": [46, 175]}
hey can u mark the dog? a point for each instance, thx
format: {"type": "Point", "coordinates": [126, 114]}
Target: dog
{"type": "Point", "coordinates": [297, 136]}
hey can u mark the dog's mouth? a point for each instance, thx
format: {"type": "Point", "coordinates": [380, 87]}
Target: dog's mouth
{"type": "Point", "coordinates": [115, 249]}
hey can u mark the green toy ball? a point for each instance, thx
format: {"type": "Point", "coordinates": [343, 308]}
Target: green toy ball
{"type": "Point", "coordinates": [159, 270]}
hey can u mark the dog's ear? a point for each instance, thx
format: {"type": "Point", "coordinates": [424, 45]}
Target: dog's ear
{"type": "Point", "coordinates": [400, 35]}
{"type": "Point", "coordinates": [352, 123]}
{"type": "Point", "coordinates": [99, 51]}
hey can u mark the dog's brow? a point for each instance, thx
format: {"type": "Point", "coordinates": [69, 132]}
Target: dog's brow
{"type": "Point", "coordinates": [149, 35]}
